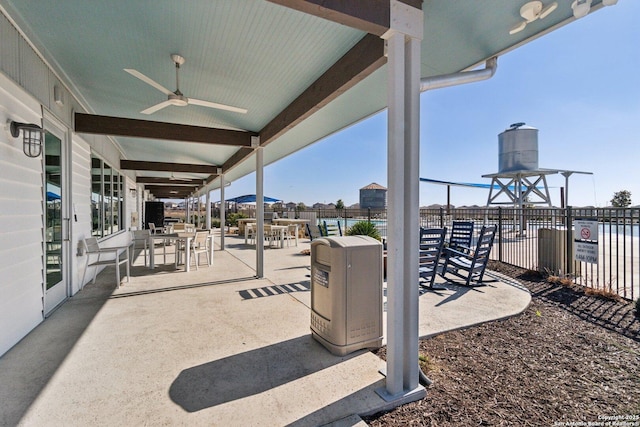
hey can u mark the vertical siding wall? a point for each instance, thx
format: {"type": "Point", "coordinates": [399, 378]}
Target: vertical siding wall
{"type": "Point", "coordinates": [81, 195]}
{"type": "Point", "coordinates": [27, 86]}
{"type": "Point", "coordinates": [21, 212]}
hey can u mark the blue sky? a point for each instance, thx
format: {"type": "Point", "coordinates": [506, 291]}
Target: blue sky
{"type": "Point", "coordinates": [580, 86]}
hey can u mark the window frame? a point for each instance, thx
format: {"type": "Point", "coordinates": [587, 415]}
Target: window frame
{"type": "Point", "coordinates": [106, 200]}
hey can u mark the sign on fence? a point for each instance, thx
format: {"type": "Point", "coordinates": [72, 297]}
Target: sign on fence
{"type": "Point", "coordinates": [585, 240]}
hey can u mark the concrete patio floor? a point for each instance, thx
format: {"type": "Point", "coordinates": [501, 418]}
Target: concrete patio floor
{"type": "Point", "coordinates": [214, 346]}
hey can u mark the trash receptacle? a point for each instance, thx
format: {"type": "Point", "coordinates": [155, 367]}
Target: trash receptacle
{"type": "Point", "coordinates": [346, 293]}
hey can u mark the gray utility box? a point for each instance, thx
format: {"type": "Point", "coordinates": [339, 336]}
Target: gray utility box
{"type": "Point", "coordinates": [346, 293]}
{"type": "Point", "coordinates": [552, 251]}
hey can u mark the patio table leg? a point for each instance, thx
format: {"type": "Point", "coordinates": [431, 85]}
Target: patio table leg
{"type": "Point", "coordinates": [152, 263]}
{"type": "Point", "coordinates": [187, 255]}
{"type": "Point", "coordinates": [211, 241]}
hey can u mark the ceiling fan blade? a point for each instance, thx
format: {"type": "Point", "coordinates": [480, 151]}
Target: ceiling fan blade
{"type": "Point", "coordinates": [147, 80]}
{"type": "Point", "coordinates": [156, 107]}
{"type": "Point", "coordinates": [548, 9]}
{"type": "Point", "coordinates": [216, 105]}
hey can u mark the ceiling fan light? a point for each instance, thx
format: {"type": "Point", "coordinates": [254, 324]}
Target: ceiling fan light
{"type": "Point", "coordinates": [518, 27]}
{"type": "Point", "coordinates": [530, 11]}
{"type": "Point", "coordinates": [178, 100]}
{"type": "Point", "coordinates": [548, 9]}
{"type": "Point", "coordinates": [581, 8]}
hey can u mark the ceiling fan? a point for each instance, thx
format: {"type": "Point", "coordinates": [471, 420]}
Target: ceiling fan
{"type": "Point", "coordinates": [177, 98]}
{"type": "Point", "coordinates": [175, 178]}
{"type": "Point", "coordinates": [531, 11]}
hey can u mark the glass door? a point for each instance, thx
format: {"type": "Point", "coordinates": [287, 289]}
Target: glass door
{"type": "Point", "coordinates": [55, 222]}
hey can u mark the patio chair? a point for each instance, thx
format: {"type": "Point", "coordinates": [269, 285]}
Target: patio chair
{"type": "Point", "coordinates": [314, 231]}
{"type": "Point", "coordinates": [431, 243]}
{"type": "Point", "coordinates": [153, 229]}
{"type": "Point", "coordinates": [113, 257]}
{"type": "Point", "coordinates": [461, 235]}
{"type": "Point", "coordinates": [460, 238]}
{"type": "Point", "coordinates": [291, 233]}
{"type": "Point", "coordinates": [200, 245]}
{"type": "Point", "coordinates": [470, 264]}
{"type": "Point", "coordinates": [331, 229]}
{"type": "Point", "coordinates": [141, 236]}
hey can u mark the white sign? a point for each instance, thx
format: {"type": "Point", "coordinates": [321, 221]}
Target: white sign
{"type": "Point", "coordinates": [585, 240]}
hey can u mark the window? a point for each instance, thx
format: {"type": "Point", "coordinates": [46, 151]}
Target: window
{"type": "Point", "coordinates": [106, 198]}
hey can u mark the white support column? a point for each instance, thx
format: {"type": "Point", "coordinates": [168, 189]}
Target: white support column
{"type": "Point", "coordinates": [208, 208]}
{"type": "Point", "coordinates": [259, 212]}
{"type": "Point", "coordinates": [223, 213]}
{"type": "Point", "coordinates": [403, 98]}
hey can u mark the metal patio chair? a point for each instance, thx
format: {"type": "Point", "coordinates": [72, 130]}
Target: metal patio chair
{"type": "Point", "coordinates": [105, 256]}
{"type": "Point", "coordinates": [431, 243]}
{"type": "Point", "coordinates": [470, 263]}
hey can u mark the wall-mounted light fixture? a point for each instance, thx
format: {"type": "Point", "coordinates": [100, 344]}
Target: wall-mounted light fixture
{"type": "Point", "coordinates": [132, 192]}
{"type": "Point", "coordinates": [32, 136]}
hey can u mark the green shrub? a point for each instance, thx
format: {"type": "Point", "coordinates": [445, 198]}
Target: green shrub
{"type": "Point", "coordinates": [215, 223]}
{"type": "Point", "coordinates": [232, 219]}
{"type": "Point", "coordinates": [364, 228]}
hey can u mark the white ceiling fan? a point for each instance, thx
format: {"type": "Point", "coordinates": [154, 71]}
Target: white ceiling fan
{"type": "Point", "coordinates": [177, 98]}
{"type": "Point", "coordinates": [531, 11]}
{"type": "Point", "coordinates": [175, 178]}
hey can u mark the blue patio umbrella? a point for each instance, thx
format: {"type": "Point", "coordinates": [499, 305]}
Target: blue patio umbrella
{"type": "Point", "coordinates": [251, 198]}
{"type": "Point", "coordinates": [52, 196]}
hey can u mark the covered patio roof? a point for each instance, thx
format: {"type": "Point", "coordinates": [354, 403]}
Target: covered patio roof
{"type": "Point", "coordinates": [303, 69]}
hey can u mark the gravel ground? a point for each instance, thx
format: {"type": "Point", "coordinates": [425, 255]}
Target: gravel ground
{"type": "Point", "coordinates": [568, 359]}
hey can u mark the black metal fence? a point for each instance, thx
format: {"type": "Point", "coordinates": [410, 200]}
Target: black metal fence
{"type": "Point", "coordinates": [539, 239]}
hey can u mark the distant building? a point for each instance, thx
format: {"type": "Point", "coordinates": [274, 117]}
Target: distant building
{"type": "Point", "coordinates": [323, 206]}
{"type": "Point", "coordinates": [373, 196]}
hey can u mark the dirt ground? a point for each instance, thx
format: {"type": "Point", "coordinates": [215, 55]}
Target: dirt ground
{"type": "Point", "coordinates": [569, 359]}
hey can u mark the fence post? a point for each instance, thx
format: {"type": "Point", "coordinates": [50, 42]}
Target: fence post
{"type": "Point", "coordinates": [569, 242]}
{"type": "Point", "coordinates": [369, 214]}
{"type": "Point", "coordinates": [500, 233]}
{"type": "Point", "coordinates": [441, 217]}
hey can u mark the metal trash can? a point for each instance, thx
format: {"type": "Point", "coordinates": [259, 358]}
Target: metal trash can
{"type": "Point", "coordinates": [346, 293]}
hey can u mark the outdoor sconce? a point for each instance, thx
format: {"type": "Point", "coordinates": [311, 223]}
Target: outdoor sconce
{"type": "Point", "coordinates": [31, 137]}
{"type": "Point", "coordinates": [132, 192]}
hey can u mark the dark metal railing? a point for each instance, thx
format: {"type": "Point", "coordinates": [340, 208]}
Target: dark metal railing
{"type": "Point", "coordinates": [539, 239]}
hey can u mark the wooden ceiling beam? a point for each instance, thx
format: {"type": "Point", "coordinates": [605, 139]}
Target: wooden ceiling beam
{"type": "Point", "coordinates": [167, 189]}
{"type": "Point", "coordinates": [374, 18]}
{"type": "Point", "coordinates": [118, 126]}
{"type": "Point", "coordinates": [171, 181]}
{"type": "Point", "coordinates": [167, 167]}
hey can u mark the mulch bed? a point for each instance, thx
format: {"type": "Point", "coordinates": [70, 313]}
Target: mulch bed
{"type": "Point", "coordinates": [568, 359]}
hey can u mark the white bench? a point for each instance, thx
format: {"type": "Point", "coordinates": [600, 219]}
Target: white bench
{"type": "Point", "coordinates": [105, 256]}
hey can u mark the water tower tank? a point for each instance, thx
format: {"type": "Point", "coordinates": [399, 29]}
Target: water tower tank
{"type": "Point", "coordinates": [518, 147]}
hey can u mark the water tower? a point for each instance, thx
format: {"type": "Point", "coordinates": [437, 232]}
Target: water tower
{"type": "Point", "coordinates": [519, 177]}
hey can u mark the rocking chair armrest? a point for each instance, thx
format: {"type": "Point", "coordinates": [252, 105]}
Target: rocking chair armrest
{"type": "Point", "coordinates": [458, 253]}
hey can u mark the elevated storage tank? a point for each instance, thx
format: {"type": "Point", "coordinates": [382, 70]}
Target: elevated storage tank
{"type": "Point", "coordinates": [518, 148]}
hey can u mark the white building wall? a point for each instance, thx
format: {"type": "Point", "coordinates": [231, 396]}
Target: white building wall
{"type": "Point", "coordinates": [26, 88]}
{"type": "Point", "coordinates": [81, 207]}
{"type": "Point", "coordinates": [21, 219]}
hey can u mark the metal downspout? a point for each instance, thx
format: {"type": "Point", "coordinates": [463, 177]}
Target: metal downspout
{"type": "Point", "coordinates": [454, 79]}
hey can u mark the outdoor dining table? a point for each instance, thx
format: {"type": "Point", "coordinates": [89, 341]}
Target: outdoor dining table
{"type": "Point", "coordinates": [243, 222]}
{"type": "Point", "coordinates": [281, 229]}
{"type": "Point", "coordinates": [186, 238]}
{"type": "Point", "coordinates": [298, 222]}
